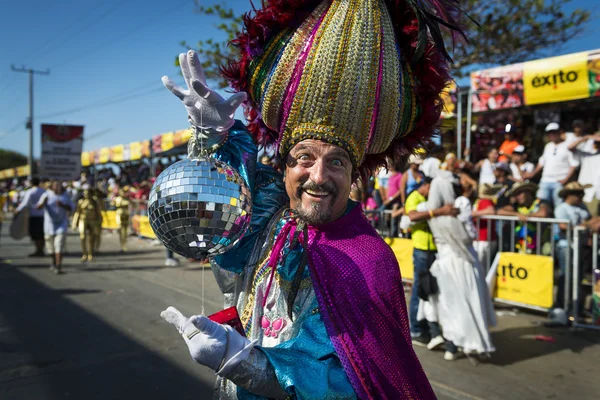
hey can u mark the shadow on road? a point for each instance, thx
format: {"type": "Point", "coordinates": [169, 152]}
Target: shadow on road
{"type": "Point", "coordinates": [524, 345]}
{"type": "Point", "coordinates": [51, 348]}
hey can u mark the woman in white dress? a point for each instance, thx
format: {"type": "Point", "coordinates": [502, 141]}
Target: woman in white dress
{"type": "Point", "coordinates": [463, 306]}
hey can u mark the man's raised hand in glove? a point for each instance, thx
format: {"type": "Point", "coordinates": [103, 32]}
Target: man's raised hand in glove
{"type": "Point", "coordinates": [219, 347]}
{"type": "Point", "coordinates": [205, 107]}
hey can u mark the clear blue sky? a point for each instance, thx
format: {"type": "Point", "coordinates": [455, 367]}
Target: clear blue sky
{"type": "Point", "coordinates": [100, 51]}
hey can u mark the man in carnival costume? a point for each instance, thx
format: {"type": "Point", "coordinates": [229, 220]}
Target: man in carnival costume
{"type": "Point", "coordinates": [337, 86]}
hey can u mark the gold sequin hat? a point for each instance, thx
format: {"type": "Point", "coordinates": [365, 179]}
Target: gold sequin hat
{"type": "Point", "coordinates": [361, 74]}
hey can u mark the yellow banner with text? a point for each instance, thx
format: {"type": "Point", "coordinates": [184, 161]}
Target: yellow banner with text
{"type": "Point", "coordinates": [556, 79]}
{"type": "Point", "coordinates": [403, 249]}
{"type": "Point", "coordinates": [525, 278]}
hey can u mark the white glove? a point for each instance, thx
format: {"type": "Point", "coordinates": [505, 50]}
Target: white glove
{"type": "Point", "coordinates": [219, 347]}
{"type": "Point", "coordinates": [205, 107]}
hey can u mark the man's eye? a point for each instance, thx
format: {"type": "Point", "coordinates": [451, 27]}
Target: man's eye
{"type": "Point", "coordinates": [337, 163]}
{"type": "Point", "coordinates": [303, 157]}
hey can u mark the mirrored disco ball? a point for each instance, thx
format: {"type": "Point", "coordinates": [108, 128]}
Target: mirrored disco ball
{"type": "Point", "coordinates": [199, 207]}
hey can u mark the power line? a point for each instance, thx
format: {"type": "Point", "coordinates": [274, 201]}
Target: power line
{"type": "Point", "coordinates": [102, 104]}
{"type": "Point", "coordinates": [14, 128]}
{"type": "Point", "coordinates": [122, 36]}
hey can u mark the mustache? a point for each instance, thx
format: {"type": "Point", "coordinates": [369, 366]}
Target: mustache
{"type": "Point", "coordinates": [328, 187]}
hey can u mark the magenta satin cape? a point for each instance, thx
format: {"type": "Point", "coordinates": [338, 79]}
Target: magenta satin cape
{"type": "Point", "coordinates": [359, 289]}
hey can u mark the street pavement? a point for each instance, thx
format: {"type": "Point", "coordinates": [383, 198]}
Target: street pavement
{"type": "Point", "coordinates": [95, 333]}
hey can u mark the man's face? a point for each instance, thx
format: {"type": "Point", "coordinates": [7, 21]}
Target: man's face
{"type": "Point", "coordinates": [524, 198]}
{"type": "Point", "coordinates": [424, 189]}
{"type": "Point", "coordinates": [517, 158]}
{"type": "Point", "coordinates": [318, 179]}
{"type": "Point", "coordinates": [493, 155]}
{"type": "Point", "coordinates": [554, 136]}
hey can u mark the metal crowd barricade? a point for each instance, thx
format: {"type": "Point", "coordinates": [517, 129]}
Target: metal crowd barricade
{"type": "Point", "coordinates": [544, 244]}
{"type": "Point", "coordinates": [384, 223]}
{"type": "Point", "coordinates": [578, 318]}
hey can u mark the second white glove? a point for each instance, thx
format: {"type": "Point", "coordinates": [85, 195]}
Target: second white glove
{"type": "Point", "coordinates": [219, 347]}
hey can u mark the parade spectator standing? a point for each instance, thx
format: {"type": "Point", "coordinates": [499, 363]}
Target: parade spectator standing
{"type": "Point", "coordinates": [509, 145]}
{"type": "Point", "coordinates": [578, 133]}
{"type": "Point", "coordinates": [462, 305]}
{"type": "Point", "coordinates": [424, 252]}
{"type": "Point", "coordinates": [519, 164]}
{"type": "Point", "coordinates": [56, 206]}
{"type": "Point", "coordinates": [431, 163]}
{"type": "Point", "coordinates": [393, 186]}
{"type": "Point", "coordinates": [486, 167]}
{"type": "Point", "coordinates": [577, 213]}
{"type": "Point", "coordinates": [486, 243]}
{"type": "Point", "coordinates": [36, 217]}
{"type": "Point", "coordinates": [557, 165]}
{"type": "Point", "coordinates": [587, 151]}
{"type": "Point", "coordinates": [412, 178]}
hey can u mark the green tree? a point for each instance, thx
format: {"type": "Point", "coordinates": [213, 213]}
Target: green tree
{"type": "Point", "coordinates": [11, 159]}
{"type": "Point", "coordinates": [508, 31]}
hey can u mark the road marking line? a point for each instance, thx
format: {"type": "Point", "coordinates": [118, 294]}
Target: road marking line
{"type": "Point", "coordinates": [455, 391]}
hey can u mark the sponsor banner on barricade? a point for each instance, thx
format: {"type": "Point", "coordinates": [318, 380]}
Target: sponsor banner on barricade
{"type": "Point", "coordinates": [525, 278]}
{"type": "Point", "coordinates": [556, 79]}
{"type": "Point", "coordinates": [135, 151]}
{"type": "Point", "coordinates": [23, 170]}
{"type": "Point", "coordinates": [109, 219]}
{"type": "Point", "coordinates": [104, 155]}
{"type": "Point", "coordinates": [7, 173]}
{"type": "Point", "coordinates": [182, 136]}
{"type": "Point", "coordinates": [166, 142]}
{"type": "Point", "coordinates": [141, 226]}
{"type": "Point", "coordinates": [117, 153]}
{"type": "Point", "coordinates": [61, 151]}
{"type": "Point", "coordinates": [403, 250]}
{"type": "Point", "coordinates": [497, 88]}
{"type": "Point", "coordinates": [157, 144]}
{"type": "Point", "coordinates": [86, 158]}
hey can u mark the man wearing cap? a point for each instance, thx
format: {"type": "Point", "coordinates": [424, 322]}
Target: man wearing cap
{"type": "Point", "coordinates": [587, 150]}
{"type": "Point", "coordinates": [577, 213]}
{"type": "Point", "coordinates": [519, 164]}
{"type": "Point", "coordinates": [424, 251]}
{"type": "Point", "coordinates": [322, 310]}
{"type": "Point", "coordinates": [557, 165]}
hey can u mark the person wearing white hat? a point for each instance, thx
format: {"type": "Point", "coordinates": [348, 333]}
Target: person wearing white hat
{"type": "Point", "coordinates": [557, 165]}
{"type": "Point", "coordinates": [412, 178]}
{"type": "Point", "coordinates": [519, 164]}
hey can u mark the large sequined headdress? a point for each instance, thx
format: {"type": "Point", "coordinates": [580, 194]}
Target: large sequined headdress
{"type": "Point", "coordinates": [362, 74]}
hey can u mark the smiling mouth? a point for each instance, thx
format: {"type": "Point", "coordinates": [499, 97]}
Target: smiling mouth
{"type": "Point", "coordinates": [317, 194]}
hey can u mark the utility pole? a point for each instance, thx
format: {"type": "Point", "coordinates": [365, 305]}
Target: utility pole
{"type": "Point", "coordinates": [31, 72]}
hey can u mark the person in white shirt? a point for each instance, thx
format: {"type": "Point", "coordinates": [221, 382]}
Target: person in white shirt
{"type": "Point", "coordinates": [431, 164]}
{"type": "Point", "coordinates": [56, 206]}
{"type": "Point", "coordinates": [587, 150]}
{"type": "Point", "coordinates": [557, 165]}
{"type": "Point", "coordinates": [486, 167]}
{"type": "Point", "coordinates": [519, 164]}
{"type": "Point", "coordinates": [36, 217]}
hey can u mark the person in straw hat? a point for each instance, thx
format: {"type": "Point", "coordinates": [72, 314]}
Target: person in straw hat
{"type": "Point", "coordinates": [526, 206]}
{"type": "Point", "coordinates": [336, 86]}
{"type": "Point", "coordinates": [574, 210]}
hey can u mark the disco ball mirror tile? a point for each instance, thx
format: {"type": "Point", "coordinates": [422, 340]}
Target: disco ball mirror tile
{"type": "Point", "coordinates": [199, 207]}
